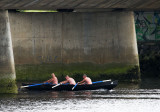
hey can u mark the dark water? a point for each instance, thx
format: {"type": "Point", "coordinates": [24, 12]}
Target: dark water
{"type": "Point", "coordinates": [144, 97]}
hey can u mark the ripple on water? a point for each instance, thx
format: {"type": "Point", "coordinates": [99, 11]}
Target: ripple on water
{"type": "Point", "coordinates": [118, 100]}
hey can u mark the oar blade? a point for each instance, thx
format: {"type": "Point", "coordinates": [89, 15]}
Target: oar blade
{"type": "Point", "coordinates": [24, 86]}
{"type": "Point", "coordinates": [74, 86]}
{"type": "Point", "coordinates": [33, 85]}
{"type": "Point", "coordinates": [56, 85]}
{"type": "Point", "coordinates": [106, 80]}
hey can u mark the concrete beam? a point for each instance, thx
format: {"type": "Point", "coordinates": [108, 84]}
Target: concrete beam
{"type": "Point", "coordinates": [7, 67]}
{"type": "Point", "coordinates": [80, 4]}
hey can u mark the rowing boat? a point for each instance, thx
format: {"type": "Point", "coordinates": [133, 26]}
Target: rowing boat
{"type": "Point", "coordinates": [105, 84]}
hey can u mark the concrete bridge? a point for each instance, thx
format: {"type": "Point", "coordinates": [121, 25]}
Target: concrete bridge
{"type": "Point", "coordinates": [81, 4]}
{"type": "Point", "coordinates": [97, 38]}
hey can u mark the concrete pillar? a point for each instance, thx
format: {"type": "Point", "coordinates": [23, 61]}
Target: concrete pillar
{"type": "Point", "coordinates": [7, 67]}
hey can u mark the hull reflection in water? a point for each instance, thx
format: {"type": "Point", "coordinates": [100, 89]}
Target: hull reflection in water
{"type": "Point", "coordinates": [118, 100]}
{"type": "Point", "coordinates": [124, 98]}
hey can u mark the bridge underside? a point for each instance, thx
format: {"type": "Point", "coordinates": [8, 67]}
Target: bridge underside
{"type": "Point", "coordinates": [101, 44]}
{"type": "Point", "coordinates": [67, 42]}
{"type": "Point", "coordinates": [81, 4]}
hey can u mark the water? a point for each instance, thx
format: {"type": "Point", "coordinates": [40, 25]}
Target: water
{"type": "Point", "coordinates": [144, 97]}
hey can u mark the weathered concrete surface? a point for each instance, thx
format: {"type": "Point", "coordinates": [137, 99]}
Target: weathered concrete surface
{"type": "Point", "coordinates": [7, 68]}
{"type": "Point", "coordinates": [81, 4]}
{"type": "Point", "coordinates": [74, 38]}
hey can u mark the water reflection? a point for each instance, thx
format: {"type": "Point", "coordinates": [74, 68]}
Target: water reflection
{"type": "Point", "coordinates": [54, 94]}
{"type": "Point", "coordinates": [62, 94]}
{"type": "Point", "coordinates": [6, 96]}
{"type": "Point", "coordinates": [150, 83]}
{"type": "Point", "coordinates": [119, 99]}
{"type": "Point", "coordinates": [143, 97]}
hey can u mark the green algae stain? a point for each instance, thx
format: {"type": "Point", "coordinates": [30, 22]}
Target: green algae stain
{"type": "Point", "coordinates": [8, 86]}
{"type": "Point", "coordinates": [43, 72]}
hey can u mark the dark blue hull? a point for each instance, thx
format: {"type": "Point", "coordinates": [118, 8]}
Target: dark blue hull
{"type": "Point", "coordinates": [102, 85]}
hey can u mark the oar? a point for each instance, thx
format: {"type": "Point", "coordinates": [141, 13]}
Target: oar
{"type": "Point", "coordinates": [56, 85]}
{"type": "Point", "coordinates": [33, 85]}
{"type": "Point", "coordinates": [74, 86]}
{"type": "Point", "coordinates": [101, 81]}
{"type": "Point", "coordinates": [93, 83]}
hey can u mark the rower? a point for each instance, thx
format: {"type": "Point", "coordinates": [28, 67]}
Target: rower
{"type": "Point", "coordinates": [68, 80]}
{"type": "Point", "coordinates": [86, 80]}
{"type": "Point", "coordinates": [53, 80]}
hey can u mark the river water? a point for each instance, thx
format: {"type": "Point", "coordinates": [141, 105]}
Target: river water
{"type": "Point", "coordinates": [144, 97]}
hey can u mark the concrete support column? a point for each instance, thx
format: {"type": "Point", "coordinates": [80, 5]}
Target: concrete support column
{"type": "Point", "coordinates": [7, 67]}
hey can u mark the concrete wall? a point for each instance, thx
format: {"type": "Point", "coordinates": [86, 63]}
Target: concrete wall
{"type": "Point", "coordinates": [74, 37]}
{"type": "Point", "coordinates": [70, 40]}
{"type": "Point", "coordinates": [7, 67]}
{"type": "Point", "coordinates": [36, 36]}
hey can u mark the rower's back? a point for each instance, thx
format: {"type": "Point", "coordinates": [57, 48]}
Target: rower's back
{"type": "Point", "coordinates": [88, 80]}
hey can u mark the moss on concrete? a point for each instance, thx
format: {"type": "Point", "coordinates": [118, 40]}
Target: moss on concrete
{"type": "Point", "coordinates": [8, 86]}
{"type": "Point", "coordinates": [43, 72]}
